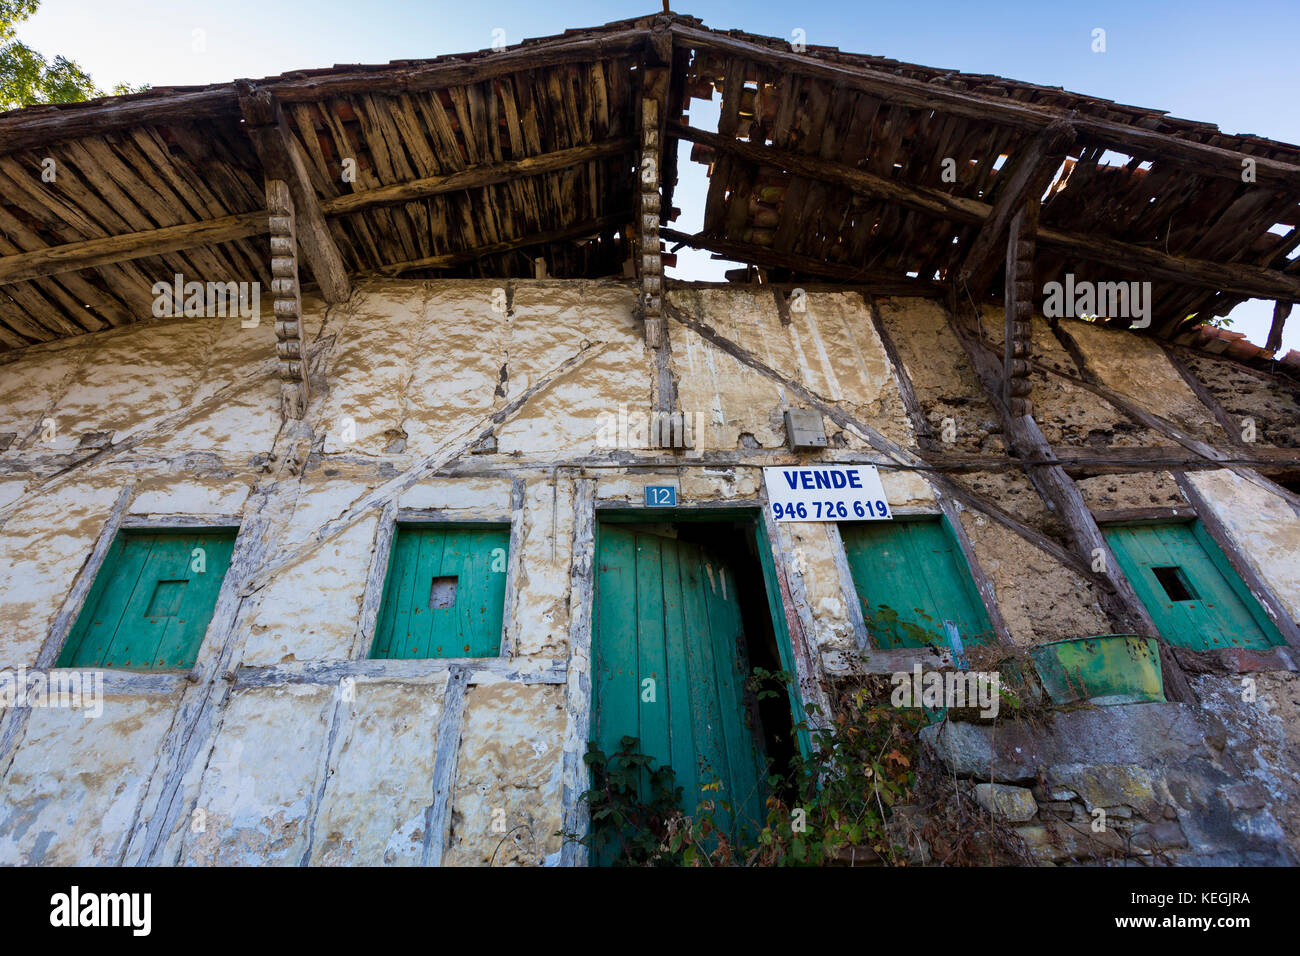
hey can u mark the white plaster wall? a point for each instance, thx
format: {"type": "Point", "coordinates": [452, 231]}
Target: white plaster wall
{"type": "Point", "coordinates": [418, 368]}
{"type": "Point", "coordinates": [1264, 527]}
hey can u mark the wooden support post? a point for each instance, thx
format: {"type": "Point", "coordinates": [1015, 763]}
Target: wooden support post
{"type": "Point", "coordinates": [668, 426]}
{"type": "Point", "coordinates": [282, 160]}
{"type": "Point", "coordinates": [287, 301]}
{"type": "Point", "coordinates": [451, 725]}
{"type": "Point", "coordinates": [577, 732]}
{"type": "Point", "coordinates": [1018, 331]}
{"type": "Point", "coordinates": [649, 260]}
{"type": "Point", "coordinates": [1280, 311]}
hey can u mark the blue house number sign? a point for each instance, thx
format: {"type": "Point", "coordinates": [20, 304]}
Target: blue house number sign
{"type": "Point", "coordinates": [660, 496]}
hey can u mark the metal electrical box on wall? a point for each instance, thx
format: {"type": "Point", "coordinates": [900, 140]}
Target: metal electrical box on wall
{"type": "Point", "coordinates": [803, 429]}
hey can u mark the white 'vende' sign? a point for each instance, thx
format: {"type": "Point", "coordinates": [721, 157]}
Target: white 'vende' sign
{"type": "Point", "coordinates": [826, 493]}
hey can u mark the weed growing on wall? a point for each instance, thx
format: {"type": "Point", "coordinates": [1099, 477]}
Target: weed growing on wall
{"type": "Point", "coordinates": [831, 806]}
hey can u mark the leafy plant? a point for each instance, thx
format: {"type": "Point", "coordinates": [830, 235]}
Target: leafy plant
{"type": "Point", "coordinates": [27, 77]}
{"type": "Point", "coordinates": [831, 805]}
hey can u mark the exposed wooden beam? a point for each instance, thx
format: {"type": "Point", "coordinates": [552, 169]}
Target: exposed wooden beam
{"type": "Point", "coordinates": [880, 283]}
{"type": "Point", "coordinates": [452, 259]}
{"type": "Point", "coordinates": [922, 198]}
{"type": "Point", "coordinates": [72, 256]}
{"type": "Point", "coordinates": [462, 70]}
{"type": "Point", "coordinates": [474, 177]}
{"type": "Point", "coordinates": [1029, 178]}
{"type": "Point", "coordinates": [282, 161]}
{"type": "Point", "coordinates": [39, 127]}
{"type": "Point", "coordinates": [1239, 277]}
{"type": "Point", "coordinates": [1007, 111]}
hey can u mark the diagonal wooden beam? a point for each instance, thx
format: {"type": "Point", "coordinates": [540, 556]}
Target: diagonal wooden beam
{"type": "Point", "coordinates": [1007, 111]}
{"type": "Point", "coordinates": [881, 282]}
{"type": "Point", "coordinates": [1245, 278]}
{"type": "Point", "coordinates": [1029, 178]}
{"type": "Point", "coordinates": [1058, 491]}
{"type": "Point", "coordinates": [282, 161]}
{"type": "Point", "coordinates": [475, 177]}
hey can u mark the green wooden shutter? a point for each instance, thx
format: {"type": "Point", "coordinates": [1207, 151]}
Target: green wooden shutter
{"type": "Point", "coordinates": [910, 578]}
{"type": "Point", "coordinates": [1189, 588]}
{"type": "Point", "coordinates": [445, 593]}
{"type": "Point", "coordinates": [149, 607]}
{"type": "Point", "coordinates": [667, 611]}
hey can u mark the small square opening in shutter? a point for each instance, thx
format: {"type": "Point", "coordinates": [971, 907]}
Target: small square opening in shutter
{"type": "Point", "coordinates": [1175, 583]}
{"type": "Point", "coordinates": [166, 600]}
{"type": "Point", "coordinates": [443, 592]}
{"type": "Point", "coordinates": [455, 570]}
{"type": "Point", "coordinates": [140, 612]}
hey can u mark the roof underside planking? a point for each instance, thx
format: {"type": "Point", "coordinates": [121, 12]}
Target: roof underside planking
{"type": "Point", "coordinates": [825, 166]}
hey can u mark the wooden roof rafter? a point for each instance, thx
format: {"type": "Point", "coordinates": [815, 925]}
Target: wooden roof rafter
{"type": "Point", "coordinates": [828, 165]}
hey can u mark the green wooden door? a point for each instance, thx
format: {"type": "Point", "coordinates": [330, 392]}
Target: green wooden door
{"type": "Point", "coordinates": [667, 613]}
{"type": "Point", "coordinates": [1189, 588]}
{"type": "Point", "coordinates": [445, 593]}
{"type": "Point", "coordinates": [910, 578]}
{"type": "Point", "coordinates": [151, 601]}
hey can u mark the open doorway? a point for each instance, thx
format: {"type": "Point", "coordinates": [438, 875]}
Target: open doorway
{"type": "Point", "coordinates": [682, 619]}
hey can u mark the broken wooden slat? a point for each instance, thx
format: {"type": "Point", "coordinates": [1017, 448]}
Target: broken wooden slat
{"type": "Point", "coordinates": [1007, 111]}
{"type": "Point", "coordinates": [1280, 312]}
{"type": "Point", "coordinates": [1248, 279]}
{"type": "Point", "coordinates": [1026, 185]}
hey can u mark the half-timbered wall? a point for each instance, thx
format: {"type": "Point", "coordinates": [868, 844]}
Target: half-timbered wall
{"type": "Point", "coordinates": [483, 401]}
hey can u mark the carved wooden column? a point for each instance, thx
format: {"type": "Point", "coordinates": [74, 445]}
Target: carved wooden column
{"type": "Point", "coordinates": [287, 300]}
{"type": "Point", "coordinates": [650, 261]}
{"type": "Point", "coordinates": [1019, 313]}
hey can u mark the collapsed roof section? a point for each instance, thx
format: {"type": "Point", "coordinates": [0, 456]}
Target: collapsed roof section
{"type": "Point", "coordinates": [824, 166]}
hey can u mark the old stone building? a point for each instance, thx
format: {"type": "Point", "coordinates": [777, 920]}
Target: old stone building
{"type": "Point", "coordinates": [354, 572]}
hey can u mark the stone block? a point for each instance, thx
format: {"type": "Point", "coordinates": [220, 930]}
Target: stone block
{"type": "Point", "coordinates": [1110, 785]}
{"type": "Point", "coordinates": [1015, 804]}
{"type": "Point", "coordinates": [1157, 836]}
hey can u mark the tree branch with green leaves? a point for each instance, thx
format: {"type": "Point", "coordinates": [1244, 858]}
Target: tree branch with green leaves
{"type": "Point", "coordinates": [28, 78]}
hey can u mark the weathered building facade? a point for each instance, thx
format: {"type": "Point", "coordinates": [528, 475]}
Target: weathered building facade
{"type": "Point", "coordinates": [378, 560]}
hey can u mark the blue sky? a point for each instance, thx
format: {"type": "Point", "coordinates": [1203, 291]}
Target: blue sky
{"type": "Point", "coordinates": [1233, 64]}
